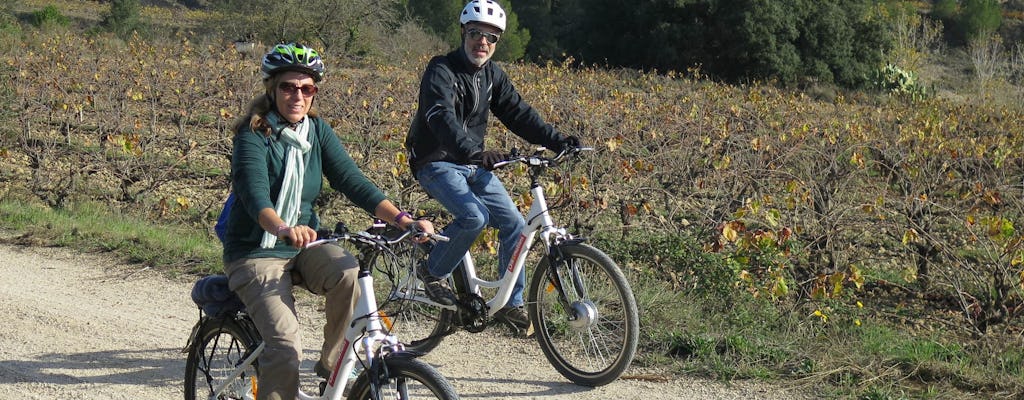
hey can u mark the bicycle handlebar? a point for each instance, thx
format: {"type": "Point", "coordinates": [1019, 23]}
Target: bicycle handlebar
{"type": "Point", "coordinates": [537, 158]}
{"type": "Point", "coordinates": [341, 233]}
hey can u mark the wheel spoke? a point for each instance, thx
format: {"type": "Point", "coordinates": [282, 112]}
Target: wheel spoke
{"type": "Point", "coordinates": [594, 340]}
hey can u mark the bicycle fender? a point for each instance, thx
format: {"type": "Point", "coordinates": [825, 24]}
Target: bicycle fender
{"type": "Point", "coordinates": [571, 242]}
{"type": "Point", "coordinates": [555, 256]}
{"type": "Point", "coordinates": [192, 336]}
{"type": "Point", "coordinates": [405, 354]}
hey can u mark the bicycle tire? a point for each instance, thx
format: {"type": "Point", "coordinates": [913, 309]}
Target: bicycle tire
{"type": "Point", "coordinates": [219, 346]}
{"type": "Point", "coordinates": [419, 326]}
{"type": "Point", "coordinates": [405, 378]}
{"type": "Point", "coordinates": [597, 349]}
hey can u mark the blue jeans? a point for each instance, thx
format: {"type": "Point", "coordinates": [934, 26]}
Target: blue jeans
{"type": "Point", "coordinates": [476, 199]}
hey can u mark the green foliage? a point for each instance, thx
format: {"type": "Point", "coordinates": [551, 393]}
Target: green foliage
{"type": "Point", "coordinates": [542, 20]}
{"type": "Point", "coordinates": [10, 30]}
{"type": "Point", "coordinates": [945, 10]}
{"type": "Point", "coordinates": [124, 18]}
{"type": "Point", "coordinates": [441, 17]}
{"type": "Point", "coordinates": [677, 258]}
{"type": "Point", "coordinates": [969, 19]}
{"type": "Point", "coordinates": [896, 81]}
{"type": "Point", "coordinates": [513, 42]}
{"type": "Point", "coordinates": [980, 17]}
{"type": "Point", "coordinates": [49, 16]}
{"type": "Point", "coordinates": [788, 41]}
{"type": "Point", "coordinates": [94, 227]}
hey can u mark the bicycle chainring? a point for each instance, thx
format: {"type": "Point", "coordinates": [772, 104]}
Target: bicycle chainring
{"type": "Point", "coordinates": [472, 312]}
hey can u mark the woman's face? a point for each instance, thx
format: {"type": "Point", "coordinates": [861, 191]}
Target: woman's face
{"type": "Point", "coordinates": [293, 95]}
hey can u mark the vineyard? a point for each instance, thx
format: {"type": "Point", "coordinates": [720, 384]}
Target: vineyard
{"type": "Point", "coordinates": [837, 212]}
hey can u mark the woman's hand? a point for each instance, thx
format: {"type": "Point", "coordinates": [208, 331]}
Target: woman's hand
{"type": "Point", "coordinates": [297, 236]}
{"type": "Point", "coordinates": [424, 226]}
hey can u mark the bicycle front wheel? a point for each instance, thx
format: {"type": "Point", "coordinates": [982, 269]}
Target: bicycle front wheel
{"type": "Point", "coordinates": [219, 347]}
{"type": "Point", "coordinates": [404, 377]}
{"type": "Point", "coordinates": [591, 335]}
{"type": "Point", "coordinates": [419, 326]}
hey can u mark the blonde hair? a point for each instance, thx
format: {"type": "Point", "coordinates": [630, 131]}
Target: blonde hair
{"type": "Point", "coordinates": [255, 116]}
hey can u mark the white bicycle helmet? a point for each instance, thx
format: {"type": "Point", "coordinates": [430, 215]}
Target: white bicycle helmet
{"type": "Point", "coordinates": [485, 11]}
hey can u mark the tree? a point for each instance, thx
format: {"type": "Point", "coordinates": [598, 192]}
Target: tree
{"type": "Point", "coordinates": [980, 18]}
{"type": "Point", "coordinates": [759, 39]}
{"type": "Point", "coordinates": [841, 42]}
{"type": "Point", "coordinates": [514, 40]}
{"type": "Point", "coordinates": [538, 17]}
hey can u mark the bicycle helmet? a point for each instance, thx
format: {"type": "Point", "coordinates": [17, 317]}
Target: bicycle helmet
{"type": "Point", "coordinates": [485, 11]}
{"type": "Point", "coordinates": [292, 57]}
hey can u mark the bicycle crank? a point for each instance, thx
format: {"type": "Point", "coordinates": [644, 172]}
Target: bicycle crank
{"type": "Point", "coordinates": [473, 312]}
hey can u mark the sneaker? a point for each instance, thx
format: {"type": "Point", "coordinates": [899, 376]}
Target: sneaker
{"type": "Point", "coordinates": [325, 373]}
{"type": "Point", "coordinates": [515, 318]}
{"type": "Point", "coordinates": [321, 371]}
{"type": "Point", "coordinates": [436, 288]}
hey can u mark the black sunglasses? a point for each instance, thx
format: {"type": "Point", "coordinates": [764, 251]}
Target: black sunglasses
{"type": "Point", "coordinates": [476, 34]}
{"type": "Point", "coordinates": [290, 90]}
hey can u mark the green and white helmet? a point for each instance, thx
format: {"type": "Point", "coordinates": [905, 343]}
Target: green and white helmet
{"type": "Point", "coordinates": [292, 57]}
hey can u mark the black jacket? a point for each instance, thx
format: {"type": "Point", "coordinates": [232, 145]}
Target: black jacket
{"type": "Point", "coordinates": [454, 100]}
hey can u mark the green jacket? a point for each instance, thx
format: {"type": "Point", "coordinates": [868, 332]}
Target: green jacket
{"type": "Point", "coordinates": [257, 167]}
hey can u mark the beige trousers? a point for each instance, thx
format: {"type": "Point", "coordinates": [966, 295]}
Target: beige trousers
{"type": "Point", "coordinates": [265, 286]}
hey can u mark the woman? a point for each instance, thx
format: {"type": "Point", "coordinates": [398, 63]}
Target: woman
{"type": "Point", "coordinates": [282, 151]}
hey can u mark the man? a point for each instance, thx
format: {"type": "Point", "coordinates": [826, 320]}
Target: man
{"type": "Point", "coordinates": [447, 155]}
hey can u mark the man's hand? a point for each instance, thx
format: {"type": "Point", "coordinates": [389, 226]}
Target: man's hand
{"type": "Point", "coordinates": [488, 158]}
{"type": "Point", "coordinates": [570, 142]}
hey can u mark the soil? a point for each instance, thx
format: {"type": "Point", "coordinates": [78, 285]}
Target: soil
{"type": "Point", "coordinates": [85, 326]}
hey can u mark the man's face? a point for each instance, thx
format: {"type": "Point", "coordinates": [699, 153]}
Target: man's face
{"type": "Point", "coordinates": [480, 40]}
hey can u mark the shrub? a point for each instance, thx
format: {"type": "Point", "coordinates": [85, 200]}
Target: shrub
{"type": "Point", "coordinates": [124, 18]}
{"type": "Point", "coordinates": [944, 9]}
{"type": "Point", "coordinates": [898, 81]}
{"type": "Point", "coordinates": [980, 17]}
{"type": "Point", "coordinates": [49, 16]}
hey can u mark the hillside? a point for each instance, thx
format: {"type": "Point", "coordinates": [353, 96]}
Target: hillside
{"type": "Point", "coordinates": [860, 243]}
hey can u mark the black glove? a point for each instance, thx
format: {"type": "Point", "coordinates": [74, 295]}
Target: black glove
{"type": "Point", "coordinates": [488, 158]}
{"type": "Point", "coordinates": [568, 143]}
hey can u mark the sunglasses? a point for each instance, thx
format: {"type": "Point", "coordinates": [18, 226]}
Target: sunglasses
{"type": "Point", "coordinates": [290, 90]}
{"type": "Point", "coordinates": [476, 34]}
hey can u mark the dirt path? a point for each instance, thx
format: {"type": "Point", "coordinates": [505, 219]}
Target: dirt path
{"type": "Point", "coordinates": [83, 327]}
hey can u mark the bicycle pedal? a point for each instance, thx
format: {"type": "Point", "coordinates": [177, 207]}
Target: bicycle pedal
{"type": "Point", "coordinates": [521, 333]}
{"type": "Point", "coordinates": [515, 331]}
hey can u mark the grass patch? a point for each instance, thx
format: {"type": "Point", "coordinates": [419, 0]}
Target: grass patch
{"type": "Point", "coordinates": [93, 227]}
{"type": "Point", "coordinates": [706, 325]}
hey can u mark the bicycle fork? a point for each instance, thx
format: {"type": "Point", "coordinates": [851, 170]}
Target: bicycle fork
{"type": "Point", "coordinates": [581, 312]}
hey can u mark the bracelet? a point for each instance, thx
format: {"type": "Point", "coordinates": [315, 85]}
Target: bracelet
{"type": "Point", "coordinates": [399, 217]}
{"type": "Point", "coordinates": [281, 228]}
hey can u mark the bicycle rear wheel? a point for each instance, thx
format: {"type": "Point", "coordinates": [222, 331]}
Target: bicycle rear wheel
{"type": "Point", "coordinates": [219, 347]}
{"type": "Point", "coordinates": [404, 378]}
{"type": "Point", "coordinates": [419, 326]}
{"type": "Point", "coordinates": [590, 338]}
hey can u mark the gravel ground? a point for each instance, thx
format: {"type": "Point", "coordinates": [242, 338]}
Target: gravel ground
{"type": "Point", "coordinates": [82, 326]}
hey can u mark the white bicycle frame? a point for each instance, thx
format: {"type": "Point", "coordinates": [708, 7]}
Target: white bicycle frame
{"type": "Point", "coordinates": [363, 334]}
{"type": "Point", "coordinates": [538, 219]}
